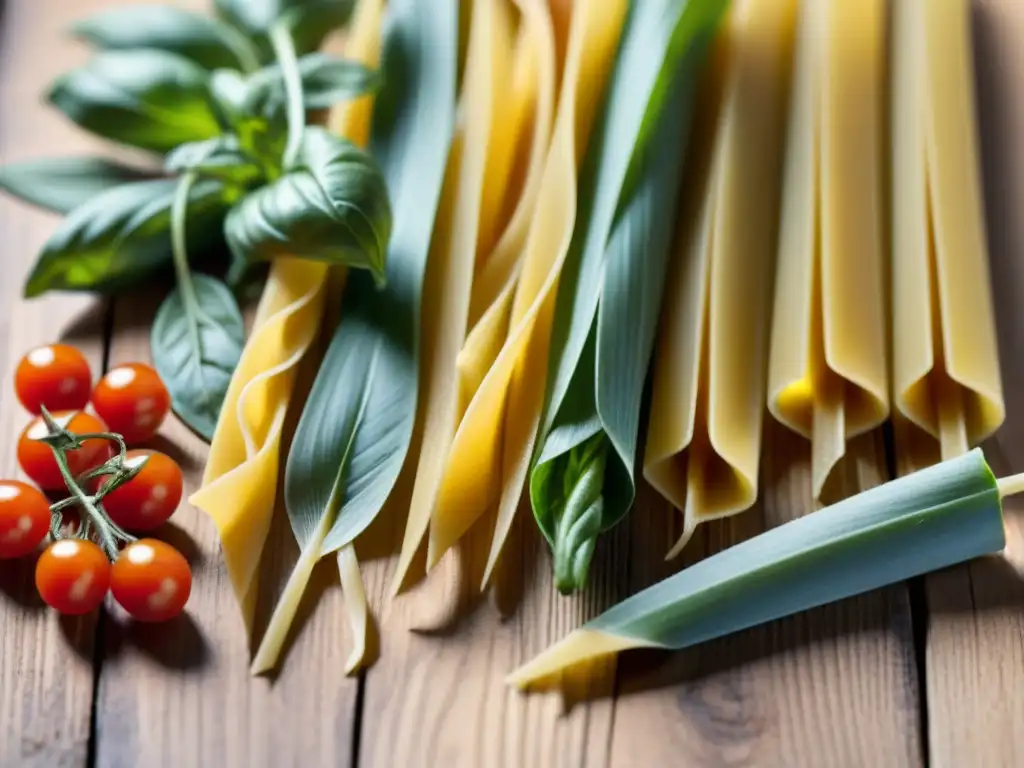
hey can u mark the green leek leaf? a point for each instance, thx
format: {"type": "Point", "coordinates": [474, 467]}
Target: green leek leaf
{"type": "Point", "coordinates": [149, 99]}
{"type": "Point", "coordinates": [197, 342]}
{"type": "Point", "coordinates": [332, 207]}
{"type": "Point", "coordinates": [610, 294]}
{"type": "Point", "coordinates": [355, 429]}
{"type": "Point", "coordinates": [940, 516]}
{"type": "Point", "coordinates": [207, 42]}
{"type": "Point", "coordinates": [121, 236]}
{"type": "Point", "coordinates": [62, 184]}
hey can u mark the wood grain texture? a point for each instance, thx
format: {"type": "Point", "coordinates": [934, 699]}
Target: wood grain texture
{"type": "Point", "coordinates": [975, 658]}
{"type": "Point", "coordinates": [437, 694]}
{"type": "Point", "coordinates": [46, 675]}
{"type": "Point", "coordinates": [787, 693]}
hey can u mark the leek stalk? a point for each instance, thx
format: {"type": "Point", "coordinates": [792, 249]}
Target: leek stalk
{"type": "Point", "coordinates": [931, 519]}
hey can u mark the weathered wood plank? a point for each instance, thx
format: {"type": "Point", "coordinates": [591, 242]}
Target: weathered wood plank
{"type": "Point", "coordinates": [975, 658]}
{"type": "Point", "coordinates": [46, 663]}
{"type": "Point", "coordinates": [837, 684]}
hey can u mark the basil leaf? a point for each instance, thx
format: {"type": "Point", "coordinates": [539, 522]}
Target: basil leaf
{"type": "Point", "coordinates": [61, 184]}
{"type": "Point", "coordinates": [121, 236]}
{"type": "Point", "coordinates": [243, 107]}
{"type": "Point", "coordinates": [219, 158]}
{"type": "Point", "coordinates": [149, 99]}
{"type": "Point", "coordinates": [197, 339]}
{"type": "Point", "coordinates": [310, 21]}
{"type": "Point", "coordinates": [333, 207]}
{"type": "Point", "coordinates": [326, 80]}
{"type": "Point", "coordinates": [207, 42]}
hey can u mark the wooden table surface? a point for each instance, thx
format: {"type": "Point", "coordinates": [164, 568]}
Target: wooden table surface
{"type": "Point", "coordinates": [930, 672]}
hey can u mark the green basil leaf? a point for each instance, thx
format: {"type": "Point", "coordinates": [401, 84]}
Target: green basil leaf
{"type": "Point", "coordinates": [148, 99]}
{"type": "Point", "coordinates": [310, 21]}
{"type": "Point", "coordinates": [207, 42]}
{"type": "Point", "coordinates": [333, 207]}
{"type": "Point", "coordinates": [121, 236]}
{"type": "Point", "coordinates": [197, 341]}
{"type": "Point", "coordinates": [244, 107]}
{"type": "Point", "coordinates": [326, 80]}
{"type": "Point", "coordinates": [61, 184]}
{"type": "Point", "coordinates": [220, 158]}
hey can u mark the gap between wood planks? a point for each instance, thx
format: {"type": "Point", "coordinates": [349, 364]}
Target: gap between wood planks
{"type": "Point", "coordinates": [98, 646]}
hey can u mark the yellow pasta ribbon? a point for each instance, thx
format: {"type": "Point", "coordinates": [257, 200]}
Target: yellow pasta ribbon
{"type": "Point", "coordinates": [947, 392]}
{"type": "Point", "coordinates": [709, 372]}
{"type": "Point", "coordinates": [451, 380]}
{"type": "Point", "coordinates": [828, 369]}
{"type": "Point", "coordinates": [490, 455]}
{"type": "Point", "coordinates": [240, 482]}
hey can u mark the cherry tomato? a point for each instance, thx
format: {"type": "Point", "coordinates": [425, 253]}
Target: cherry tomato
{"type": "Point", "coordinates": [56, 375]}
{"type": "Point", "coordinates": [73, 576]}
{"type": "Point", "coordinates": [133, 400]}
{"type": "Point", "coordinates": [150, 498]}
{"type": "Point", "coordinates": [151, 580]}
{"type": "Point", "coordinates": [36, 458]}
{"type": "Point", "coordinates": [24, 518]}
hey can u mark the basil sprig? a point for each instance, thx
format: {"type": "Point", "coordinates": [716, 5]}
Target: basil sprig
{"type": "Point", "coordinates": [222, 102]}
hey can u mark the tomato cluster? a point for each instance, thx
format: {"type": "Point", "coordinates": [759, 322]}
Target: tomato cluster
{"type": "Point", "coordinates": [149, 578]}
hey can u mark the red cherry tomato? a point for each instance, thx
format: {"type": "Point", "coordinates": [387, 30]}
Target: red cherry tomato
{"type": "Point", "coordinates": [133, 400]}
{"type": "Point", "coordinates": [56, 375]}
{"type": "Point", "coordinates": [36, 458]}
{"type": "Point", "coordinates": [73, 576]}
{"type": "Point", "coordinates": [150, 498]}
{"type": "Point", "coordinates": [24, 518]}
{"type": "Point", "coordinates": [151, 580]}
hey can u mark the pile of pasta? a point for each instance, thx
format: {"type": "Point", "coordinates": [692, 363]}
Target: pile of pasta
{"type": "Point", "coordinates": [755, 206]}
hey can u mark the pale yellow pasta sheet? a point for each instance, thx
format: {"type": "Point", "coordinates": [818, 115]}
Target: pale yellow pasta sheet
{"type": "Point", "coordinates": [710, 364]}
{"type": "Point", "coordinates": [478, 175]}
{"type": "Point", "coordinates": [828, 377]}
{"type": "Point", "coordinates": [946, 383]}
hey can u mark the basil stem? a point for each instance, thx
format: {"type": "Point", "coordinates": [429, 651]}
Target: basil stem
{"type": "Point", "coordinates": [577, 529]}
{"type": "Point", "coordinates": [179, 207]}
{"type": "Point", "coordinates": [243, 49]}
{"type": "Point", "coordinates": [284, 51]}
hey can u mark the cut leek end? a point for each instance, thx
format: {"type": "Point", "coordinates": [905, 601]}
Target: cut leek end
{"type": "Point", "coordinates": [576, 648]}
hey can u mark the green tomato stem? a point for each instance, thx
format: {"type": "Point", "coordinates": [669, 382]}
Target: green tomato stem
{"type": "Point", "coordinates": [85, 502]}
{"type": "Point", "coordinates": [94, 517]}
{"type": "Point", "coordinates": [284, 51]}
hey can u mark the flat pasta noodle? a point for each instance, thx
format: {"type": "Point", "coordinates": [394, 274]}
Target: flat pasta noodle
{"type": "Point", "coordinates": [827, 375]}
{"type": "Point", "coordinates": [490, 454]}
{"type": "Point", "coordinates": [497, 270]}
{"type": "Point", "coordinates": [709, 370]}
{"type": "Point", "coordinates": [478, 174]}
{"type": "Point", "coordinates": [947, 392]}
{"type": "Point", "coordinates": [240, 482]}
